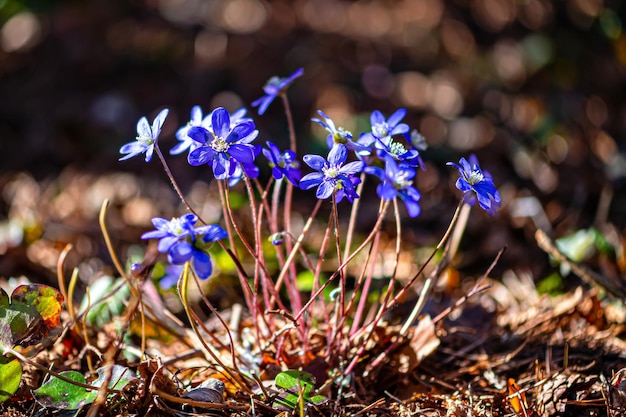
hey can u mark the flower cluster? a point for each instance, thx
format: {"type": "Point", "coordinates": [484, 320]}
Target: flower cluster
{"type": "Point", "coordinates": [390, 152]}
{"type": "Point", "coordinates": [184, 242]}
{"type": "Point", "coordinates": [381, 153]}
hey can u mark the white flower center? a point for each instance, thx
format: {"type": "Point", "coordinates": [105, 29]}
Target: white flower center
{"type": "Point", "coordinates": [396, 148]}
{"type": "Point", "coordinates": [402, 181]}
{"type": "Point", "coordinates": [145, 140]}
{"type": "Point", "coordinates": [474, 177]}
{"type": "Point", "coordinates": [219, 144]}
{"type": "Point", "coordinates": [331, 172]}
{"type": "Point", "coordinates": [176, 226]}
{"type": "Point", "coordinates": [341, 135]}
{"type": "Point", "coordinates": [380, 130]}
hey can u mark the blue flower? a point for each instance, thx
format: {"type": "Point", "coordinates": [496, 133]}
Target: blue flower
{"type": "Point", "coordinates": [397, 181]}
{"type": "Point", "coordinates": [383, 129]}
{"type": "Point", "coordinates": [223, 145]}
{"type": "Point", "coordinates": [390, 148]}
{"type": "Point", "coordinates": [332, 174]}
{"type": "Point", "coordinates": [183, 242]}
{"type": "Point", "coordinates": [274, 87]}
{"type": "Point", "coordinates": [182, 134]}
{"type": "Point", "coordinates": [185, 142]}
{"type": "Point", "coordinates": [472, 178]}
{"type": "Point", "coordinates": [339, 135]}
{"type": "Point", "coordinates": [283, 164]}
{"type": "Point", "coordinates": [147, 137]}
{"type": "Point", "coordinates": [172, 274]}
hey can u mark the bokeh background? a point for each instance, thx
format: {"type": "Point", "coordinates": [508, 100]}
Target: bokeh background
{"type": "Point", "coordinates": [534, 88]}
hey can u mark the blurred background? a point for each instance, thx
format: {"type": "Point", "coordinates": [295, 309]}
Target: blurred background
{"type": "Point", "coordinates": [534, 88]}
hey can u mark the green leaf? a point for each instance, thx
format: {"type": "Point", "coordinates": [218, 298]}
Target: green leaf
{"type": "Point", "coordinates": [120, 377]}
{"type": "Point", "coordinates": [107, 299]}
{"type": "Point", "coordinates": [31, 315]}
{"type": "Point", "coordinates": [10, 377]}
{"type": "Point", "coordinates": [296, 383]}
{"type": "Point", "coordinates": [57, 393]}
{"type": "Point", "coordinates": [579, 245]}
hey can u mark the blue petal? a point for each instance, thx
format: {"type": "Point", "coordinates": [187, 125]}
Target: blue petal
{"type": "Point", "coordinates": [221, 166]}
{"type": "Point", "coordinates": [242, 153]}
{"type": "Point", "coordinates": [270, 156]}
{"type": "Point", "coordinates": [337, 154]}
{"type": "Point", "coordinates": [149, 153]}
{"type": "Point", "coordinates": [277, 173]}
{"type": "Point", "coordinates": [386, 191]}
{"type": "Point", "coordinates": [311, 180]}
{"type": "Point", "coordinates": [325, 190]}
{"type": "Point", "coordinates": [180, 253]}
{"type": "Point", "coordinates": [376, 118]}
{"type": "Point", "coordinates": [462, 185]}
{"type": "Point", "coordinates": [132, 149]}
{"type": "Point", "coordinates": [366, 139]}
{"type": "Point", "coordinates": [154, 234]}
{"type": "Point", "coordinates": [160, 222]}
{"type": "Point", "coordinates": [375, 171]}
{"type": "Point", "coordinates": [314, 161]}
{"type": "Point", "coordinates": [220, 120]}
{"type": "Point", "coordinates": [211, 233]}
{"type": "Point", "coordinates": [143, 128]}
{"type": "Point", "coordinates": [400, 129]}
{"type": "Point", "coordinates": [202, 264]}
{"type": "Point", "coordinates": [157, 123]}
{"type": "Point", "coordinates": [166, 243]}
{"type": "Point", "coordinates": [412, 193]}
{"type": "Point", "coordinates": [240, 131]}
{"type": "Point", "coordinates": [200, 156]}
{"type": "Point", "coordinates": [352, 168]}
{"type": "Point", "coordinates": [412, 207]}
{"type": "Point", "coordinates": [395, 118]}
{"type": "Point", "coordinates": [263, 103]}
{"type": "Point", "coordinates": [199, 134]}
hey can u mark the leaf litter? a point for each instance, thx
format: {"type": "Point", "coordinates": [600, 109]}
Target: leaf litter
{"type": "Point", "coordinates": [505, 351]}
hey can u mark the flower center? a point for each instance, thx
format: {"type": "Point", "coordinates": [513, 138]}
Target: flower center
{"type": "Point", "coordinates": [474, 177]}
{"type": "Point", "coordinates": [342, 135]}
{"type": "Point", "coordinates": [401, 181]}
{"type": "Point", "coordinates": [275, 81]}
{"type": "Point", "coordinates": [380, 130]}
{"type": "Point", "coordinates": [176, 226]}
{"type": "Point", "coordinates": [219, 144]}
{"type": "Point", "coordinates": [396, 149]}
{"type": "Point", "coordinates": [331, 172]}
{"type": "Point", "coordinates": [145, 140]}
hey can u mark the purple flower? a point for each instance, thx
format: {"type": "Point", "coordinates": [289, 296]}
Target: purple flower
{"type": "Point", "coordinates": [182, 134]}
{"type": "Point", "coordinates": [274, 87]}
{"type": "Point", "coordinates": [185, 142]}
{"type": "Point", "coordinates": [383, 129]}
{"type": "Point", "coordinates": [223, 145]}
{"type": "Point", "coordinates": [283, 164]}
{"type": "Point", "coordinates": [172, 274]}
{"type": "Point", "coordinates": [183, 242]}
{"type": "Point", "coordinates": [147, 137]}
{"type": "Point", "coordinates": [397, 181]}
{"type": "Point", "coordinates": [332, 174]}
{"type": "Point", "coordinates": [339, 135]}
{"type": "Point", "coordinates": [472, 178]}
{"type": "Point", "coordinates": [391, 148]}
